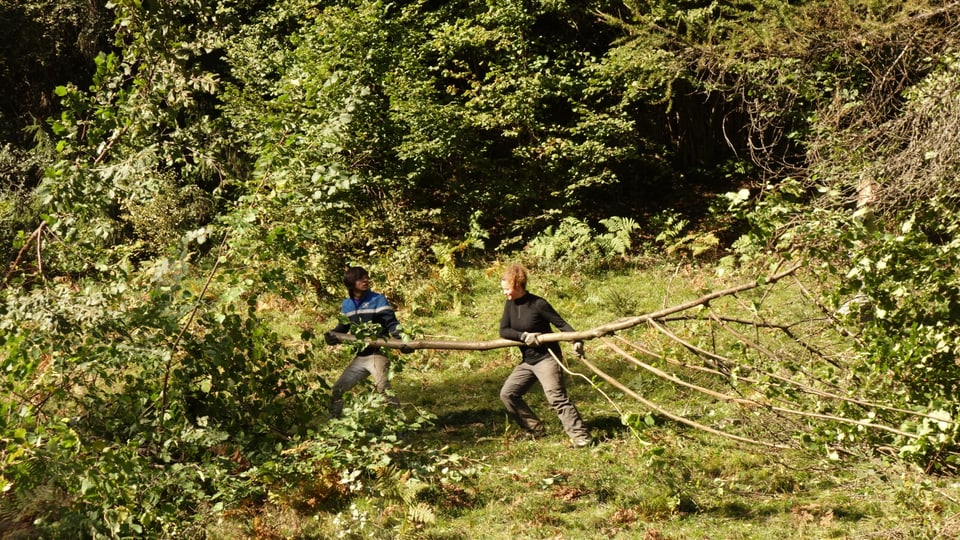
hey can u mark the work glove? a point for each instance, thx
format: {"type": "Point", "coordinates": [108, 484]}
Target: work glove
{"type": "Point", "coordinates": [530, 339]}
{"type": "Point", "coordinates": [578, 348]}
{"type": "Point", "coordinates": [330, 338]}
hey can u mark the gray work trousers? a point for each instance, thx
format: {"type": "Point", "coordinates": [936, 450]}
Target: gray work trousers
{"type": "Point", "coordinates": [548, 372]}
{"type": "Point", "coordinates": [359, 369]}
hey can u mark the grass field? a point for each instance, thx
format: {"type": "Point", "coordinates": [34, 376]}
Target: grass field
{"type": "Point", "coordinates": [661, 480]}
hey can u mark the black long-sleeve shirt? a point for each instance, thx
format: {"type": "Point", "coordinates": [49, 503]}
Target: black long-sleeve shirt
{"type": "Point", "coordinates": [531, 313]}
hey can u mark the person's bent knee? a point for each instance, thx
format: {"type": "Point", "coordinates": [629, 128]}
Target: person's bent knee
{"type": "Point", "coordinates": [556, 396]}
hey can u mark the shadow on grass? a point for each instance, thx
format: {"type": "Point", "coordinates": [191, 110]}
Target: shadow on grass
{"type": "Point", "coordinates": [749, 511]}
{"type": "Point", "coordinates": [470, 416]}
{"type": "Point", "coordinates": [468, 407]}
{"type": "Point", "coordinates": [605, 427]}
{"type": "Point", "coordinates": [471, 423]}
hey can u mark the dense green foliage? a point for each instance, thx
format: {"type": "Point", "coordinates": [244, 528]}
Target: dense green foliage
{"type": "Point", "coordinates": [180, 184]}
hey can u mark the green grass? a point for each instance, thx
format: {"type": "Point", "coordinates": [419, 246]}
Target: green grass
{"type": "Point", "coordinates": [666, 481]}
{"type": "Point", "coordinates": [672, 481]}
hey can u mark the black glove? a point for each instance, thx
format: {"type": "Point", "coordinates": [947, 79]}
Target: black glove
{"type": "Point", "coordinates": [578, 348]}
{"type": "Point", "coordinates": [405, 349]}
{"type": "Point", "coordinates": [530, 339]}
{"type": "Point", "coordinates": [330, 338]}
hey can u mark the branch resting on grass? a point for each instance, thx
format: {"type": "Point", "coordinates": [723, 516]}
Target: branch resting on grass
{"type": "Point", "coordinates": [653, 406]}
{"type": "Point", "coordinates": [752, 402]}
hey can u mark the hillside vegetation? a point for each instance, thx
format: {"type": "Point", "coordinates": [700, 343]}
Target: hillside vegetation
{"type": "Point", "coordinates": [762, 195]}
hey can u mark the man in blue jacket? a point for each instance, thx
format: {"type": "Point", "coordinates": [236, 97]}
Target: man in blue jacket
{"type": "Point", "coordinates": [363, 306]}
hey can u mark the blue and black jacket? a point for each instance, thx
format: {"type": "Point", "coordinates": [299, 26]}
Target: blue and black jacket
{"type": "Point", "coordinates": [371, 307]}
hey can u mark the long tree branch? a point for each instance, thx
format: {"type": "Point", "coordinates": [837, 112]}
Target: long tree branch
{"type": "Point", "coordinates": [597, 332]}
{"type": "Point", "coordinates": [652, 319]}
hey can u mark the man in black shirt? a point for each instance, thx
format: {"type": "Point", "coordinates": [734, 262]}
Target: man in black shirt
{"type": "Point", "coordinates": [525, 317]}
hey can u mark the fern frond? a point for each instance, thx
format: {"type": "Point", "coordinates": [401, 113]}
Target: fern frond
{"type": "Point", "coordinates": [421, 513]}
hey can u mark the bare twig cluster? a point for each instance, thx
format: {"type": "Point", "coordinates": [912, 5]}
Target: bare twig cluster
{"type": "Point", "coordinates": [899, 138]}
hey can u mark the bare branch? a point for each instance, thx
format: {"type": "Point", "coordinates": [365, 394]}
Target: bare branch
{"type": "Point", "coordinates": [805, 388]}
{"type": "Point", "coordinates": [755, 403]}
{"type": "Point", "coordinates": [676, 418]}
{"type": "Point", "coordinates": [34, 237]}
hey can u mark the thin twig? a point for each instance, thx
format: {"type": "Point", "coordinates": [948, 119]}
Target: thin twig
{"type": "Point", "coordinates": [183, 330]}
{"type": "Point", "coordinates": [676, 418]}
{"type": "Point", "coordinates": [803, 387]}
{"type": "Point", "coordinates": [594, 386]}
{"type": "Point", "coordinates": [39, 257]}
{"type": "Point", "coordinates": [751, 402]}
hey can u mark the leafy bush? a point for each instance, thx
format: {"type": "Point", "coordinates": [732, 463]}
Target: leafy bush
{"type": "Point", "coordinates": [362, 459]}
{"type": "Point", "coordinates": [160, 219]}
{"type": "Point", "coordinates": [142, 425]}
{"type": "Point", "coordinates": [907, 299]}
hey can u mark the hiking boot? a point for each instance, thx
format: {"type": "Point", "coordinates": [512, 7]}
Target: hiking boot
{"type": "Point", "coordinates": [535, 434]}
{"type": "Point", "coordinates": [582, 442]}
{"type": "Point", "coordinates": [528, 434]}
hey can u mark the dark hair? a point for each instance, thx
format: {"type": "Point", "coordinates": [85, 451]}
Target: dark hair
{"type": "Point", "coordinates": [352, 276]}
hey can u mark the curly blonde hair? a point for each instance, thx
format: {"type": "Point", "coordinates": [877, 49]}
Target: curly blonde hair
{"type": "Point", "coordinates": [515, 276]}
